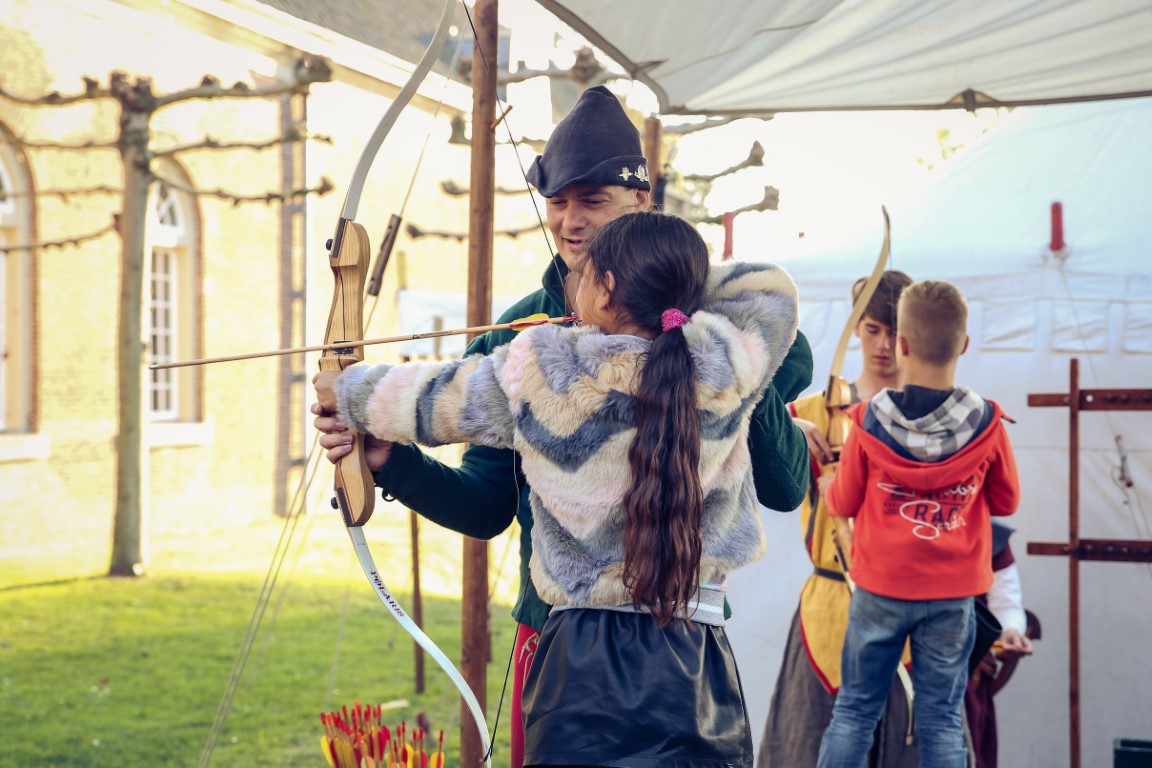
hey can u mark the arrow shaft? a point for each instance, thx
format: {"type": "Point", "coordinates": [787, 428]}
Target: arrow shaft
{"type": "Point", "coordinates": [517, 325]}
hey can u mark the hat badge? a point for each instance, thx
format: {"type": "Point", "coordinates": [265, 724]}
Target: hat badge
{"type": "Point", "coordinates": [641, 173]}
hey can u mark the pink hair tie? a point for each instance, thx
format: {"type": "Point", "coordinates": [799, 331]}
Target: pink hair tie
{"type": "Point", "coordinates": [673, 318]}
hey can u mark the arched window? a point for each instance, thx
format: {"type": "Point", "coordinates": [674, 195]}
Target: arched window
{"type": "Point", "coordinates": [16, 295]}
{"type": "Point", "coordinates": [173, 278]}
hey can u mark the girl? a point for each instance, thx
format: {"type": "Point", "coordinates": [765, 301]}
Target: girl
{"type": "Point", "coordinates": [632, 430]}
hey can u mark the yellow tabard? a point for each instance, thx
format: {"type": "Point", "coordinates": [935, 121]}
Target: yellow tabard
{"type": "Point", "coordinates": [824, 600]}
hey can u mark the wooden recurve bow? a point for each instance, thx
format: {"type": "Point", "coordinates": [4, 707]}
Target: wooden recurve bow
{"type": "Point", "coordinates": [837, 397]}
{"type": "Point", "coordinates": [349, 256]}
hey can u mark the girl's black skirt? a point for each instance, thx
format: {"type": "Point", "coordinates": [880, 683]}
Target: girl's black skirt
{"type": "Point", "coordinates": [611, 688]}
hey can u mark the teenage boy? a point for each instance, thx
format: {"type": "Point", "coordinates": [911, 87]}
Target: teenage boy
{"type": "Point", "coordinates": [801, 705]}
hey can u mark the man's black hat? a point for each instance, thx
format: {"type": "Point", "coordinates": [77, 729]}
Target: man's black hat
{"type": "Point", "coordinates": [595, 143]}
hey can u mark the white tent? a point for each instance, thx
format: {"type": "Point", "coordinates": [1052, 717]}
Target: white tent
{"type": "Point", "coordinates": [984, 223]}
{"type": "Point", "coordinates": [729, 57]}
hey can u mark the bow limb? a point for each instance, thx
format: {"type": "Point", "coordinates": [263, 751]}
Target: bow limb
{"type": "Point", "coordinates": [349, 256]}
{"type": "Point", "coordinates": [838, 393]}
{"type": "Point", "coordinates": [423, 67]}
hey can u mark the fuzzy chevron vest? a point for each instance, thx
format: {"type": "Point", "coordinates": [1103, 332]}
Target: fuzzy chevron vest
{"type": "Point", "coordinates": [563, 398]}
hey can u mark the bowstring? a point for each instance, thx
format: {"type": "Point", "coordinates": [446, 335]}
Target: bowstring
{"type": "Point", "coordinates": [296, 509]}
{"type": "Point", "coordinates": [420, 159]}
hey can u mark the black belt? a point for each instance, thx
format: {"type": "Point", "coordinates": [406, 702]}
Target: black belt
{"type": "Point", "coordinates": [828, 574]}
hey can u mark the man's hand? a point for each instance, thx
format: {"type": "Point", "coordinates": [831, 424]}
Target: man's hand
{"type": "Point", "coordinates": [818, 446]}
{"type": "Point", "coordinates": [335, 438]}
{"type": "Point", "coordinates": [1014, 644]}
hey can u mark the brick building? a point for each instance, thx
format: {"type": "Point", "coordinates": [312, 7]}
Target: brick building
{"type": "Point", "coordinates": [225, 441]}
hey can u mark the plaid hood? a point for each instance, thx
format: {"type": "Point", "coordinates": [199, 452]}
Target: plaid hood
{"type": "Point", "coordinates": [936, 435]}
{"type": "Point", "coordinates": [951, 425]}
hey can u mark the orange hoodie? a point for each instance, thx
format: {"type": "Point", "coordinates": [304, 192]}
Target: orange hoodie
{"type": "Point", "coordinates": [923, 531]}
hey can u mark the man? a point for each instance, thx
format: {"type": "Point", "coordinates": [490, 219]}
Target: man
{"type": "Point", "coordinates": [1006, 602]}
{"type": "Point", "coordinates": [801, 705]}
{"type": "Point", "coordinates": [592, 170]}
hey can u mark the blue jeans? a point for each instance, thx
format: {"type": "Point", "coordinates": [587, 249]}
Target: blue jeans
{"type": "Point", "coordinates": [942, 634]}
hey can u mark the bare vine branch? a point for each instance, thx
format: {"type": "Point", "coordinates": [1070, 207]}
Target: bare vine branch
{"type": "Point", "coordinates": [770, 202]}
{"type": "Point", "coordinates": [308, 70]}
{"type": "Point", "coordinates": [64, 194]}
{"type": "Point", "coordinates": [324, 187]}
{"type": "Point", "coordinates": [450, 187]}
{"type": "Point", "coordinates": [416, 233]}
{"type": "Point", "coordinates": [137, 94]}
{"type": "Point", "coordinates": [682, 129]}
{"type": "Point", "coordinates": [60, 145]}
{"type": "Point", "coordinates": [290, 136]}
{"type": "Point", "coordinates": [92, 90]}
{"type": "Point", "coordinates": [459, 137]}
{"type": "Point", "coordinates": [49, 244]}
{"type": "Point", "coordinates": [755, 159]}
{"type": "Point", "coordinates": [586, 71]}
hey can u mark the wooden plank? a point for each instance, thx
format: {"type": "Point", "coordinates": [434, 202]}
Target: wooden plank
{"type": "Point", "coordinates": [1100, 550]}
{"type": "Point", "coordinates": [1097, 400]}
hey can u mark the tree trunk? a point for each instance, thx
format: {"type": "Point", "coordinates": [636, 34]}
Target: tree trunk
{"type": "Point", "coordinates": [128, 528]}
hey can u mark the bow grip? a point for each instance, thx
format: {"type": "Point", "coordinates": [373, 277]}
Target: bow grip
{"type": "Point", "coordinates": [349, 256]}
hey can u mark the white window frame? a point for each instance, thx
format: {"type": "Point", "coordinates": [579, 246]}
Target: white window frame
{"type": "Point", "coordinates": [163, 336]}
{"type": "Point", "coordinates": [171, 394]}
{"type": "Point", "coordinates": [15, 300]}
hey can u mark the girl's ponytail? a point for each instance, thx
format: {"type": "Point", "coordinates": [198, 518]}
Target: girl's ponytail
{"type": "Point", "coordinates": [665, 504]}
{"type": "Point", "coordinates": [660, 265]}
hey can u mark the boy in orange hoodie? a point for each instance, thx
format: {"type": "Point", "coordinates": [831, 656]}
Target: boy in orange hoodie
{"type": "Point", "coordinates": [921, 475]}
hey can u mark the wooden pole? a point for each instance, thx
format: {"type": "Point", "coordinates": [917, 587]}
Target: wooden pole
{"type": "Point", "coordinates": [653, 136]}
{"type": "Point", "coordinates": [1074, 562]}
{"type": "Point", "coordinates": [474, 600]}
{"type": "Point", "coordinates": [417, 609]}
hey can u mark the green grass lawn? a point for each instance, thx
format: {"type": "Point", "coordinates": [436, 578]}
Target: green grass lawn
{"type": "Point", "coordinates": [130, 672]}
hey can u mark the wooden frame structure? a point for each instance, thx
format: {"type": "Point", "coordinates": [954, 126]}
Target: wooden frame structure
{"type": "Point", "coordinates": [1078, 549]}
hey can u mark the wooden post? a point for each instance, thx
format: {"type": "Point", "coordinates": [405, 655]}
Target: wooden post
{"type": "Point", "coordinates": [417, 608]}
{"type": "Point", "coordinates": [653, 136]}
{"type": "Point", "coordinates": [474, 600]}
{"type": "Point", "coordinates": [1076, 548]}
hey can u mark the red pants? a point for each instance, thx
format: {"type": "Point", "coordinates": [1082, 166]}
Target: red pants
{"type": "Point", "coordinates": [522, 655]}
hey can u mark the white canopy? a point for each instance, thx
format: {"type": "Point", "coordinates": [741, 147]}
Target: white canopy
{"type": "Point", "coordinates": [729, 57]}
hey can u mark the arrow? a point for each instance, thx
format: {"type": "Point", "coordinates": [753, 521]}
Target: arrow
{"type": "Point", "coordinates": [516, 325]}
